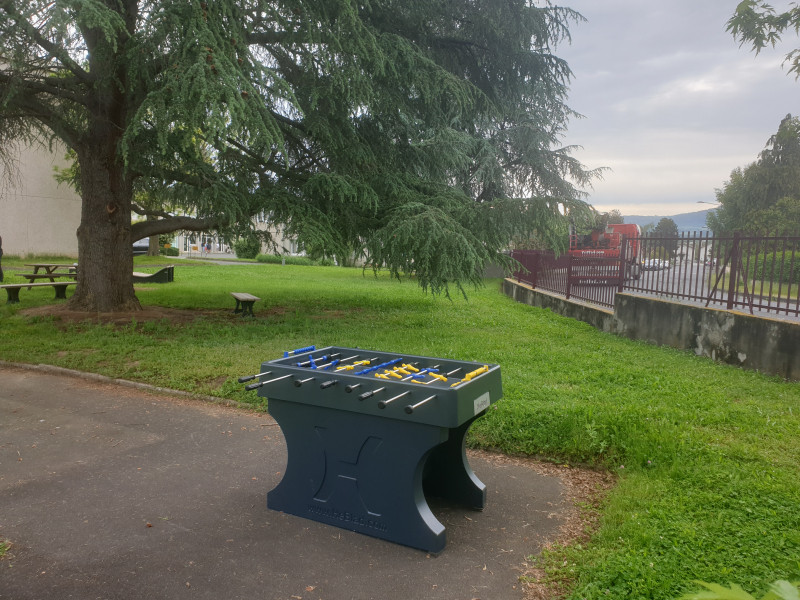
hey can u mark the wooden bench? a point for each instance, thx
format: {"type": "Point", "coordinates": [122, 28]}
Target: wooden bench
{"type": "Point", "coordinates": [244, 303]}
{"type": "Point", "coordinates": [164, 275]}
{"type": "Point", "coordinates": [12, 289]}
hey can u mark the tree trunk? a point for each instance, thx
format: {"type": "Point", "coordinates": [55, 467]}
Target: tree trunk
{"type": "Point", "coordinates": [154, 249]}
{"type": "Point", "coordinates": [105, 254]}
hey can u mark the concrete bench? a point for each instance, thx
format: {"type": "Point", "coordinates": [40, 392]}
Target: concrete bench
{"type": "Point", "coordinates": [244, 303]}
{"type": "Point", "coordinates": [12, 289]}
{"type": "Point", "coordinates": [164, 275]}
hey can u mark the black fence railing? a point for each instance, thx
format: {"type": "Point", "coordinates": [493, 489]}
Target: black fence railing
{"type": "Point", "coordinates": [741, 271]}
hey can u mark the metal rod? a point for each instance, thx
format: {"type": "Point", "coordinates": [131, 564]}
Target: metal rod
{"type": "Point", "coordinates": [383, 403]}
{"type": "Point", "coordinates": [254, 386]}
{"type": "Point", "coordinates": [418, 374]}
{"type": "Point", "coordinates": [350, 388]}
{"type": "Point", "coordinates": [336, 362]}
{"type": "Point", "coordinates": [298, 351]}
{"type": "Point", "coordinates": [394, 361]}
{"type": "Point", "coordinates": [313, 361]}
{"type": "Point", "coordinates": [369, 394]}
{"type": "Point", "coordinates": [251, 377]}
{"type": "Point", "coordinates": [453, 372]}
{"type": "Point", "coordinates": [358, 363]}
{"type": "Point", "coordinates": [412, 407]}
{"type": "Point", "coordinates": [310, 361]}
{"type": "Point", "coordinates": [470, 376]}
{"type": "Point", "coordinates": [300, 382]}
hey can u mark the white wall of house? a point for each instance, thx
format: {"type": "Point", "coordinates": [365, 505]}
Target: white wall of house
{"type": "Point", "coordinates": [190, 243]}
{"type": "Point", "coordinates": [38, 216]}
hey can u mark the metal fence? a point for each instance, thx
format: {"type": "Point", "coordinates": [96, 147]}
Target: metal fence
{"type": "Point", "coordinates": [741, 271]}
{"type": "Point", "coordinates": [594, 280]}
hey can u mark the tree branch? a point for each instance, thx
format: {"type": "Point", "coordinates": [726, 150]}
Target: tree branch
{"type": "Point", "coordinates": [31, 108]}
{"type": "Point", "coordinates": [46, 86]}
{"type": "Point", "coordinates": [267, 37]}
{"type": "Point", "coordinates": [53, 49]}
{"type": "Point", "coordinates": [144, 229]}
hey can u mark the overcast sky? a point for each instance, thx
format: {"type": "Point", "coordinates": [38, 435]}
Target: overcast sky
{"type": "Point", "coordinates": [671, 103]}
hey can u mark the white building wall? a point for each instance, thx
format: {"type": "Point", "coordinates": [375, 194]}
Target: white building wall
{"type": "Point", "coordinates": [38, 216]}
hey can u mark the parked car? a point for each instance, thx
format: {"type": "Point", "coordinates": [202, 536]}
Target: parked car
{"type": "Point", "coordinates": [141, 247]}
{"type": "Point", "coordinates": [656, 264]}
{"type": "Point", "coordinates": [651, 264]}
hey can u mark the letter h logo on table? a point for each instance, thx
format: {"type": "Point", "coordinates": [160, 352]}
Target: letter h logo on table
{"type": "Point", "coordinates": [347, 462]}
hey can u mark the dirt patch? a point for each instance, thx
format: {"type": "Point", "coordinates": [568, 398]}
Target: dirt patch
{"type": "Point", "coordinates": [63, 313]}
{"type": "Point", "coordinates": [585, 490]}
{"type": "Point", "coordinates": [217, 382]}
{"type": "Point", "coordinates": [330, 313]}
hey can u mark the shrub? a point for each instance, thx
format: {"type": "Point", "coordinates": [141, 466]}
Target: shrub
{"type": "Point", "coordinates": [775, 267]}
{"type": "Point", "coordinates": [169, 251]}
{"type": "Point", "coordinates": [247, 247]}
{"type": "Point", "coordinates": [275, 259]}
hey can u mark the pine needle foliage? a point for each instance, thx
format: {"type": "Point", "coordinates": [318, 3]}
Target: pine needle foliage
{"type": "Point", "coordinates": [422, 134]}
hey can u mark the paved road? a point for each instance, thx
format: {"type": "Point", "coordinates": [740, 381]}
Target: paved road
{"type": "Point", "coordinates": [111, 492]}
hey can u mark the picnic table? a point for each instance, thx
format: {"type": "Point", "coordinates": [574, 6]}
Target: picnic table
{"type": "Point", "coordinates": [51, 271]}
{"type": "Point", "coordinates": [52, 267]}
{"type": "Point", "coordinates": [32, 277]}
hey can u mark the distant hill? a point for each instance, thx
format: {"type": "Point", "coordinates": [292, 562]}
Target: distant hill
{"type": "Point", "coordinates": [693, 221]}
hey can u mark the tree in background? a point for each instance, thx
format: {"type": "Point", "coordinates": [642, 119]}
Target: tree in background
{"type": "Point", "coordinates": [647, 228]}
{"type": "Point", "coordinates": [614, 217]}
{"type": "Point", "coordinates": [759, 25]}
{"type": "Point", "coordinates": [667, 247]}
{"type": "Point", "coordinates": [666, 227]}
{"type": "Point", "coordinates": [423, 134]}
{"type": "Point", "coordinates": [764, 196]}
{"type": "Point", "coordinates": [587, 220]}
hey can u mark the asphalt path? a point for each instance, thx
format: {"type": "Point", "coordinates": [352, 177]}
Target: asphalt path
{"type": "Point", "coordinates": [108, 491]}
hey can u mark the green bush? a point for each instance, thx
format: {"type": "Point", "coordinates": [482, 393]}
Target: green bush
{"type": "Point", "coordinates": [169, 251]}
{"type": "Point", "coordinates": [247, 247]}
{"type": "Point", "coordinates": [277, 259]}
{"type": "Point", "coordinates": [778, 267]}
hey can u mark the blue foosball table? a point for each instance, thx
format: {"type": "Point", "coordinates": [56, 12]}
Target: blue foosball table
{"type": "Point", "coordinates": [370, 434]}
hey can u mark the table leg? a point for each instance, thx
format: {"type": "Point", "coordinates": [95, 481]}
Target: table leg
{"type": "Point", "coordinates": [359, 472]}
{"type": "Point", "coordinates": [244, 307]}
{"type": "Point", "coordinates": [448, 474]}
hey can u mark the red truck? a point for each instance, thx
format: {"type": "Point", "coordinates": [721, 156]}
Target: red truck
{"type": "Point", "coordinates": [607, 243]}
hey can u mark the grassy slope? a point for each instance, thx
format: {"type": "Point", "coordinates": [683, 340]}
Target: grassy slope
{"type": "Point", "coordinates": [707, 454]}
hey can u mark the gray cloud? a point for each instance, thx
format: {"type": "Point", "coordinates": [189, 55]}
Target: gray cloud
{"type": "Point", "coordinates": [671, 103]}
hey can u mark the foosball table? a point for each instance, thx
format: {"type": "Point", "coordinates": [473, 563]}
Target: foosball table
{"type": "Point", "coordinates": [369, 434]}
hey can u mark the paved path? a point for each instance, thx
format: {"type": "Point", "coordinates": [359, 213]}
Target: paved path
{"type": "Point", "coordinates": [110, 492]}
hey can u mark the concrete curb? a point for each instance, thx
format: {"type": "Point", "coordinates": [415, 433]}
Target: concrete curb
{"type": "Point", "coordinates": [54, 370]}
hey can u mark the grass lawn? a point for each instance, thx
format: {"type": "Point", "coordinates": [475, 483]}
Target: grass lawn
{"type": "Point", "coordinates": [708, 456]}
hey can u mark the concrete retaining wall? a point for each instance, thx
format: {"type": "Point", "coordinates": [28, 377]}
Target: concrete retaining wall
{"type": "Point", "coordinates": [763, 344]}
{"type": "Point", "coordinates": [601, 318]}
